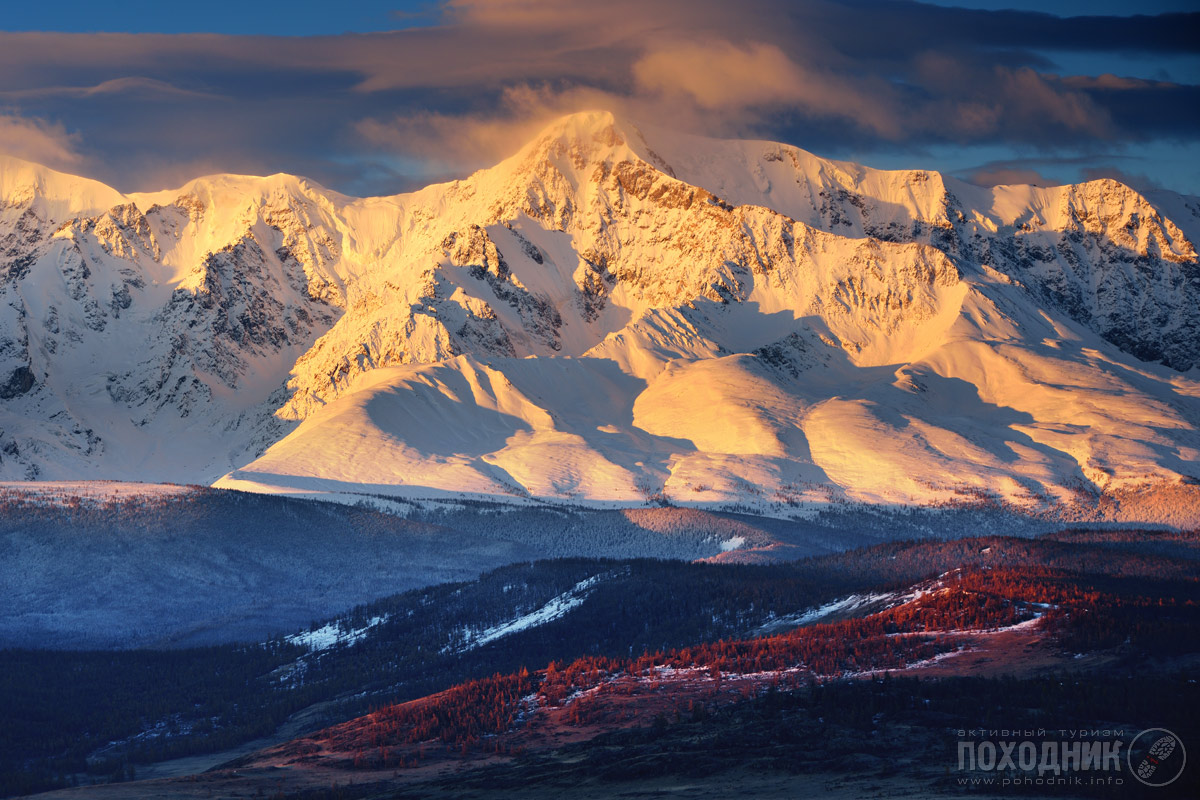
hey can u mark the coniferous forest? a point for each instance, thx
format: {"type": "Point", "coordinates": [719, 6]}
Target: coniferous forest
{"type": "Point", "coordinates": [459, 668]}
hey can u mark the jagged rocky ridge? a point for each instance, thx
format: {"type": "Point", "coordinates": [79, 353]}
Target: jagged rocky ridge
{"type": "Point", "coordinates": [613, 314]}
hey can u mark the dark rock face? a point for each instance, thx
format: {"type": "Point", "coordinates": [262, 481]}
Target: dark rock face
{"type": "Point", "coordinates": [19, 381]}
{"type": "Point", "coordinates": [474, 250]}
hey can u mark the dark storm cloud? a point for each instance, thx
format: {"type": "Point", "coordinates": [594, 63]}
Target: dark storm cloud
{"type": "Point", "coordinates": [375, 112]}
{"type": "Point", "coordinates": [1150, 110]}
{"type": "Point", "coordinates": [894, 27]}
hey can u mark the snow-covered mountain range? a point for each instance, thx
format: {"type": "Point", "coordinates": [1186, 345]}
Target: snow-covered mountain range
{"type": "Point", "coordinates": [614, 314]}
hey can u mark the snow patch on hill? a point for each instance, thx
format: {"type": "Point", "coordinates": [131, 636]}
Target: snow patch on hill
{"type": "Point", "coordinates": [556, 608]}
{"type": "Point", "coordinates": [851, 605]}
{"type": "Point", "coordinates": [332, 635]}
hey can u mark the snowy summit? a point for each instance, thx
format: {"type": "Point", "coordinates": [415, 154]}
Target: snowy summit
{"type": "Point", "coordinates": [615, 314]}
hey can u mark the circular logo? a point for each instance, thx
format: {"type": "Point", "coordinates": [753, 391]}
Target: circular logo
{"type": "Point", "coordinates": [1156, 757]}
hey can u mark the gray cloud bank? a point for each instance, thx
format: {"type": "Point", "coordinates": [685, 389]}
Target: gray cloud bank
{"type": "Point", "coordinates": [378, 113]}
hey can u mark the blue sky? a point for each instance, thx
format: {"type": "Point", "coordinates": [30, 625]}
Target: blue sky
{"type": "Point", "coordinates": [300, 18]}
{"type": "Point", "coordinates": [377, 97]}
{"type": "Point", "coordinates": [250, 17]}
{"type": "Point", "coordinates": [1076, 8]}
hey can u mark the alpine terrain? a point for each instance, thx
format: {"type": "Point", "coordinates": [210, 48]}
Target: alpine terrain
{"type": "Point", "coordinates": [615, 315]}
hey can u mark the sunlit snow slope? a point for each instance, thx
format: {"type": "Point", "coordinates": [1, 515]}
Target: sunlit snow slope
{"type": "Point", "coordinates": [612, 314]}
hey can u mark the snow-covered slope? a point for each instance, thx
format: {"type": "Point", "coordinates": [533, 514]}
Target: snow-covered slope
{"type": "Point", "coordinates": [613, 314]}
{"type": "Point", "coordinates": [147, 336]}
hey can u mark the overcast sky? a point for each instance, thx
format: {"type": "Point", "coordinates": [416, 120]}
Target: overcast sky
{"type": "Point", "coordinates": [378, 97]}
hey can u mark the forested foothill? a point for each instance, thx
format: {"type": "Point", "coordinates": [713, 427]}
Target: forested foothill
{"type": "Point", "coordinates": [476, 650]}
{"type": "Point", "coordinates": [192, 566]}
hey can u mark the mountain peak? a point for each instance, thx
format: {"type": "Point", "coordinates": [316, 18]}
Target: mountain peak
{"type": "Point", "coordinates": [589, 121]}
{"type": "Point", "coordinates": [586, 136]}
{"type": "Point", "coordinates": [713, 321]}
{"type": "Point", "coordinates": [50, 193]}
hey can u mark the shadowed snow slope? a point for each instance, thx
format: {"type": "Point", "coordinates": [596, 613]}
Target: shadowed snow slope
{"type": "Point", "coordinates": [614, 314]}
